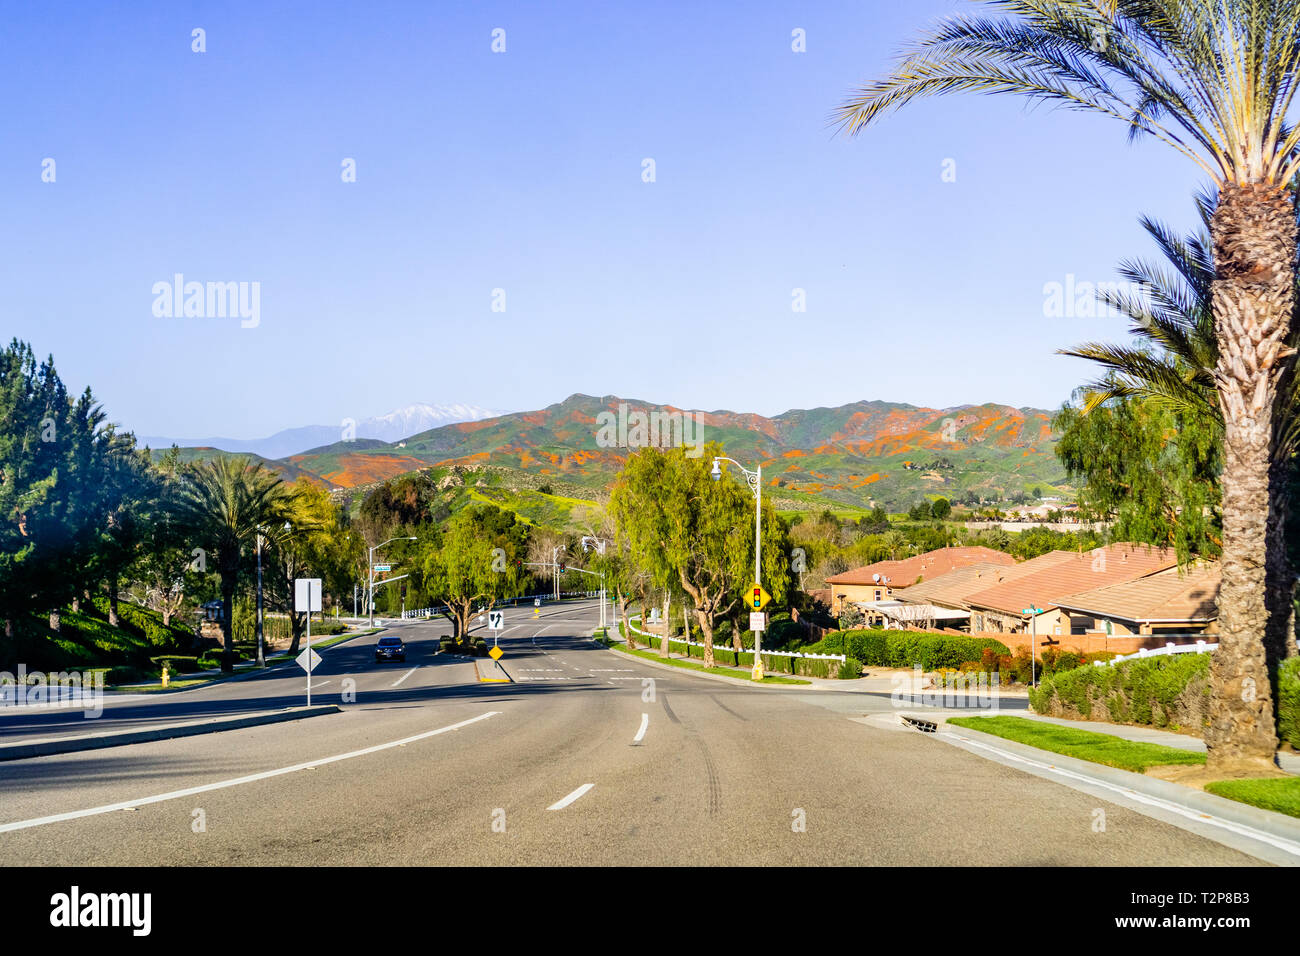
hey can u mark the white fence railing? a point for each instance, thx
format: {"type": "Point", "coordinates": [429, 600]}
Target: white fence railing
{"type": "Point", "coordinates": [1200, 647]}
{"type": "Point", "coordinates": [681, 640]}
{"type": "Point", "coordinates": [507, 602]}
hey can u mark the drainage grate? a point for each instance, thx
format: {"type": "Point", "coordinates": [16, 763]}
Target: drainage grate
{"type": "Point", "coordinates": [920, 723]}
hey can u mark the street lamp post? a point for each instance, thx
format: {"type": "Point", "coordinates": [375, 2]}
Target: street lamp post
{"type": "Point", "coordinates": [261, 655]}
{"type": "Point", "coordinates": [599, 544]}
{"type": "Point", "coordinates": [370, 571]}
{"type": "Point", "coordinates": [555, 568]}
{"type": "Point", "coordinates": [755, 479]}
{"type": "Point", "coordinates": [1033, 613]}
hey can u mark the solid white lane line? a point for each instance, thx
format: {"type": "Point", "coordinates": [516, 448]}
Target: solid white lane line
{"type": "Point", "coordinates": [1280, 843]}
{"type": "Point", "coordinates": [645, 724]}
{"type": "Point", "coordinates": [560, 805]}
{"type": "Point", "coordinates": [406, 675]}
{"type": "Point", "coordinates": [251, 778]}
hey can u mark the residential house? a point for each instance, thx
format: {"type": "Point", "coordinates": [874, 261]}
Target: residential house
{"type": "Point", "coordinates": [1173, 603]}
{"type": "Point", "coordinates": [877, 584]}
{"type": "Point", "coordinates": [1031, 601]}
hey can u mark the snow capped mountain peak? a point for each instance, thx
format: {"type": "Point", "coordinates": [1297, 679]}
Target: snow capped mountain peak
{"type": "Point", "coordinates": [419, 417]}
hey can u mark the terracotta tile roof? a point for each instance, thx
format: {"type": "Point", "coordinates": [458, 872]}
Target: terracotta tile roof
{"type": "Point", "coordinates": [1087, 570]}
{"type": "Point", "coordinates": [1173, 596]}
{"type": "Point", "coordinates": [903, 573]}
{"type": "Point", "coordinates": [955, 587]}
{"type": "Point", "coordinates": [951, 589]}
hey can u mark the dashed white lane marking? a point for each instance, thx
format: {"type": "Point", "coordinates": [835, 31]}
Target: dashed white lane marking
{"type": "Point", "coordinates": [318, 683]}
{"type": "Point", "coordinates": [406, 675]}
{"type": "Point", "coordinates": [561, 804]}
{"type": "Point", "coordinates": [237, 781]}
{"type": "Point", "coordinates": [640, 734]}
{"type": "Point", "coordinates": [658, 680]}
{"type": "Point", "coordinates": [522, 679]}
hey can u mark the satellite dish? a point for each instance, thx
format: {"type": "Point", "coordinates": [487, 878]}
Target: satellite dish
{"type": "Point", "coordinates": [876, 578]}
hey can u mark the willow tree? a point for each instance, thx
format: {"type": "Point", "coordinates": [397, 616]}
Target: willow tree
{"type": "Point", "coordinates": [694, 534]}
{"type": "Point", "coordinates": [1212, 80]}
{"type": "Point", "coordinates": [472, 562]}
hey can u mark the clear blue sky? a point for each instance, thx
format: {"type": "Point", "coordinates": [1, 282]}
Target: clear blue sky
{"type": "Point", "coordinates": [522, 171]}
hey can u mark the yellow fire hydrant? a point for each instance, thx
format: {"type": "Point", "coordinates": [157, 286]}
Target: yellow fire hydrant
{"type": "Point", "coordinates": [165, 674]}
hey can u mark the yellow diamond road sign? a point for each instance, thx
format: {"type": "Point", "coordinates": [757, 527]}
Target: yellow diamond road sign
{"type": "Point", "coordinates": [758, 598]}
{"type": "Point", "coordinates": [496, 653]}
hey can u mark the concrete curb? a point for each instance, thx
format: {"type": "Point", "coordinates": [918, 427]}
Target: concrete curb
{"type": "Point", "coordinates": [1195, 801]}
{"type": "Point", "coordinates": [63, 745]}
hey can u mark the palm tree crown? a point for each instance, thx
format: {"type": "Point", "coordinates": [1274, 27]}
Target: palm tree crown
{"type": "Point", "coordinates": [1214, 79]}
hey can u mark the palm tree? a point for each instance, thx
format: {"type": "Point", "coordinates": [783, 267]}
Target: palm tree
{"type": "Point", "coordinates": [1173, 364]}
{"type": "Point", "coordinates": [1214, 80]}
{"type": "Point", "coordinates": [222, 504]}
{"type": "Point", "coordinates": [894, 541]}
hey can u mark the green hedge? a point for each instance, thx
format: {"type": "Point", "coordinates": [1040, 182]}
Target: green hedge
{"type": "Point", "coordinates": [772, 663]}
{"type": "Point", "coordinates": [177, 663]}
{"type": "Point", "coordinates": [879, 648]}
{"type": "Point", "coordinates": [1288, 701]}
{"type": "Point", "coordinates": [1166, 691]}
{"type": "Point", "coordinates": [143, 622]}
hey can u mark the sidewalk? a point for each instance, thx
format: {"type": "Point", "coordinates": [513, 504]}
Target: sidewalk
{"type": "Point", "coordinates": [1268, 835]}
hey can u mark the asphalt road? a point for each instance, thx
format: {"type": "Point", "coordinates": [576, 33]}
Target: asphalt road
{"type": "Point", "coordinates": [589, 757]}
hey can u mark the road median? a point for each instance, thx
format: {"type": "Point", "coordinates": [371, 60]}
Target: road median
{"type": "Point", "coordinates": [62, 745]}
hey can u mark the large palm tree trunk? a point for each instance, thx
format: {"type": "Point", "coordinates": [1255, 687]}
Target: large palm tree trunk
{"type": "Point", "coordinates": [1254, 234]}
{"type": "Point", "coordinates": [1280, 642]}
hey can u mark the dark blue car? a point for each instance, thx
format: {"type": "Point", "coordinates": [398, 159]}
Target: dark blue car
{"type": "Point", "coordinates": [390, 649]}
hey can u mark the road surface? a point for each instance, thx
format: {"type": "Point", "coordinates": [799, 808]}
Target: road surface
{"type": "Point", "coordinates": [589, 757]}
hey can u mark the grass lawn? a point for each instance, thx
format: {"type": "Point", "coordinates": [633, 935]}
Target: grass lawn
{"type": "Point", "coordinates": [1280, 795]}
{"type": "Point", "coordinates": [696, 666]}
{"type": "Point", "coordinates": [1083, 744]}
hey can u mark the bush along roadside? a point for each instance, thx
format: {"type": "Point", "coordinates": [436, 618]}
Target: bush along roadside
{"type": "Point", "coordinates": [1288, 702]}
{"type": "Point", "coordinates": [1170, 692]}
{"type": "Point", "coordinates": [879, 648]}
{"type": "Point", "coordinates": [773, 663]}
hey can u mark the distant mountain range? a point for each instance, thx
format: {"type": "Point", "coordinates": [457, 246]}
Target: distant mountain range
{"type": "Point", "coordinates": [392, 427]}
{"type": "Point", "coordinates": [853, 456]}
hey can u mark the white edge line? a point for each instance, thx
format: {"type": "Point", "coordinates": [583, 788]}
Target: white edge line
{"type": "Point", "coordinates": [561, 804]}
{"type": "Point", "coordinates": [645, 723]}
{"type": "Point", "coordinates": [237, 781]}
{"type": "Point", "coordinates": [1280, 843]}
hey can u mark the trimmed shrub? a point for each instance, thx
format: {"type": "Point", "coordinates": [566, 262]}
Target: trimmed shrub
{"type": "Point", "coordinates": [177, 664]}
{"type": "Point", "coordinates": [880, 648]}
{"type": "Point", "coordinates": [851, 669]}
{"type": "Point", "coordinates": [1288, 701]}
{"type": "Point", "coordinates": [1167, 691]}
{"type": "Point", "coordinates": [126, 675]}
{"type": "Point", "coordinates": [142, 622]}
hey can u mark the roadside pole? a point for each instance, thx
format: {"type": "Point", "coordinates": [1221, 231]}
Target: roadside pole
{"type": "Point", "coordinates": [307, 597]}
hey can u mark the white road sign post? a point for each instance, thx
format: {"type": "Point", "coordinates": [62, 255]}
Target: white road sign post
{"type": "Point", "coordinates": [496, 621]}
{"type": "Point", "coordinates": [306, 597]}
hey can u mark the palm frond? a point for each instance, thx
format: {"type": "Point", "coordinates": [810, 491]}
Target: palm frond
{"type": "Point", "coordinates": [1214, 79]}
